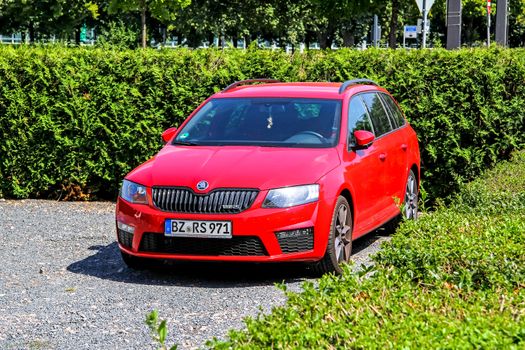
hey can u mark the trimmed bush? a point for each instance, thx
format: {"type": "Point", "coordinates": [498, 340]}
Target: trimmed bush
{"type": "Point", "coordinates": [74, 121]}
{"type": "Point", "coordinates": [455, 279]}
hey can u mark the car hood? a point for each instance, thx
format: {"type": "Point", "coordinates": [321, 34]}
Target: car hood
{"type": "Point", "coordinates": [235, 166]}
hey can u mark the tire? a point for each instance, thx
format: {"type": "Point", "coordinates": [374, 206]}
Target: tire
{"type": "Point", "coordinates": [134, 262]}
{"type": "Point", "coordinates": [409, 211]}
{"type": "Point", "coordinates": [339, 247]}
{"type": "Point", "coordinates": [410, 204]}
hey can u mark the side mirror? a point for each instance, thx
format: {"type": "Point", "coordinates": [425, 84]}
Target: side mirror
{"type": "Point", "coordinates": [363, 138]}
{"type": "Point", "coordinates": [168, 134]}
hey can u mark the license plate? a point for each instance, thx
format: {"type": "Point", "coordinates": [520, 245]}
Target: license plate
{"type": "Point", "coordinates": [197, 228]}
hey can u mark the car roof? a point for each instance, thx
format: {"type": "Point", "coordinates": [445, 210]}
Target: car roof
{"type": "Point", "coordinates": [298, 90]}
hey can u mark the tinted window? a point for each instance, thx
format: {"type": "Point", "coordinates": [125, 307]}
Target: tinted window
{"type": "Point", "coordinates": [358, 118]}
{"type": "Point", "coordinates": [282, 122]}
{"type": "Point", "coordinates": [395, 112]}
{"type": "Point", "coordinates": [377, 112]}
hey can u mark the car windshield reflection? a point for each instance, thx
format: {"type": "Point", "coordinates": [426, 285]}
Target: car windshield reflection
{"type": "Point", "coordinates": [268, 122]}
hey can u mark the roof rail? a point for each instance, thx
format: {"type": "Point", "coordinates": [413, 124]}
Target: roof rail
{"type": "Point", "coordinates": [348, 83]}
{"type": "Point", "coordinates": [248, 81]}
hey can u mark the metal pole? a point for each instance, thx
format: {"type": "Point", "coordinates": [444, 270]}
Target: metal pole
{"type": "Point", "coordinates": [454, 24]}
{"type": "Point", "coordinates": [425, 15]}
{"type": "Point", "coordinates": [374, 32]}
{"type": "Point", "coordinates": [502, 22]}
{"type": "Point", "coordinates": [488, 23]}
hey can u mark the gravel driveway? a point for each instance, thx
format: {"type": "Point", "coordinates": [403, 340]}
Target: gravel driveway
{"type": "Point", "coordinates": [64, 286]}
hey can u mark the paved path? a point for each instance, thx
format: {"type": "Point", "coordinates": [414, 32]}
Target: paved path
{"type": "Point", "coordinates": [63, 284]}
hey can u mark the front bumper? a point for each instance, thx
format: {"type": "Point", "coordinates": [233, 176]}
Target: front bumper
{"type": "Point", "coordinates": [252, 225]}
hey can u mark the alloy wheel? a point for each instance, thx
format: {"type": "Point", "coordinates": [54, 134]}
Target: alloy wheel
{"type": "Point", "coordinates": [343, 235]}
{"type": "Point", "coordinates": [411, 197]}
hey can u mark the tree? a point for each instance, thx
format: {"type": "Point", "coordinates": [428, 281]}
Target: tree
{"type": "Point", "coordinates": [162, 10]}
{"type": "Point", "coordinates": [516, 23]}
{"type": "Point", "coordinates": [400, 13]}
{"type": "Point", "coordinates": [45, 17]}
{"type": "Point", "coordinates": [392, 35]}
{"type": "Point", "coordinates": [346, 20]}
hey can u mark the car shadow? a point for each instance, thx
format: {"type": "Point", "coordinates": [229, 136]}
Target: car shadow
{"type": "Point", "coordinates": [107, 264]}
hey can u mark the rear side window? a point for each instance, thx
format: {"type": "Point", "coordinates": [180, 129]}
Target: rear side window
{"type": "Point", "coordinates": [379, 116]}
{"type": "Point", "coordinates": [395, 112]}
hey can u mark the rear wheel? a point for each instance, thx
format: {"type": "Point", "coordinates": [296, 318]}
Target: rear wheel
{"type": "Point", "coordinates": [409, 209]}
{"type": "Point", "coordinates": [339, 248]}
{"type": "Point", "coordinates": [411, 197]}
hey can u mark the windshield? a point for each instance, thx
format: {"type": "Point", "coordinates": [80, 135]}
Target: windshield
{"type": "Point", "coordinates": [274, 122]}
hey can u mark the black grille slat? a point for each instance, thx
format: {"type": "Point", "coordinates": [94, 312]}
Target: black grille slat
{"type": "Point", "coordinates": [169, 199]}
{"type": "Point", "coordinates": [163, 197]}
{"type": "Point", "coordinates": [205, 203]}
{"type": "Point", "coordinates": [184, 200]}
{"type": "Point", "coordinates": [184, 203]}
{"type": "Point", "coordinates": [237, 197]}
{"type": "Point", "coordinates": [235, 246]}
{"type": "Point", "coordinates": [246, 199]}
{"type": "Point", "coordinates": [220, 201]}
{"type": "Point", "coordinates": [194, 201]}
{"type": "Point", "coordinates": [215, 204]}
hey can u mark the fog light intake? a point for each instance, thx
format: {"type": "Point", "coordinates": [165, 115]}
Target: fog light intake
{"type": "Point", "coordinates": [296, 241]}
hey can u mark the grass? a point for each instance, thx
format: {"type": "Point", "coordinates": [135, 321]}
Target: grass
{"type": "Point", "coordinates": [455, 279]}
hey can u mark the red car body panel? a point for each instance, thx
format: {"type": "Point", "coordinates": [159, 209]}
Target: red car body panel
{"type": "Point", "coordinates": [236, 166]}
{"type": "Point", "coordinates": [373, 178]}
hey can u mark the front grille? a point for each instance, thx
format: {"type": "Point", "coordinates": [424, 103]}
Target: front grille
{"type": "Point", "coordinates": [125, 238]}
{"type": "Point", "coordinates": [235, 246]}
{"type": "Point", "coordinates": [296, 241]}
{"type": "Point", "coordinates": [220, 201]}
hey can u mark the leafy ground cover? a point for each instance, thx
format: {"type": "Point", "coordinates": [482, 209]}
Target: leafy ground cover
{"type": "Point", "coordinates": [455, 279]}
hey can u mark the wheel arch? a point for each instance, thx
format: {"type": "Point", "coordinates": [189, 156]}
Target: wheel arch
{"type": "Point", "coordinates": [415, 169]}
{"type": "Point", "coordinates": [348, 196]}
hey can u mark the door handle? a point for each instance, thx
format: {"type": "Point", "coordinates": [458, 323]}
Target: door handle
{"type": "Point", "coordinates": [382, 156]}
{"type": "Point", "coordinates": [404, 147]}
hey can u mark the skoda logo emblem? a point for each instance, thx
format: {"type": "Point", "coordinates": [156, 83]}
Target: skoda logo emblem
{"type": "Point", "coordinates": [202, 185]}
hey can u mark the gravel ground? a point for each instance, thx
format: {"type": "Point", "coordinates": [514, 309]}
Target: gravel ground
{"type": "Point", "coordinates": [63, 284]}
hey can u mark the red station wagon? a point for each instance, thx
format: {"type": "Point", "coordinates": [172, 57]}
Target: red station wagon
{"type": "Point", "coordinates": [273, 172]}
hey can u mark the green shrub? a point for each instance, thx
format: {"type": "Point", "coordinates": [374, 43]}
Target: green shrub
{"type": "Point", "coordinates": [74, 121]}
{"type": "Point", "coordinates": [477, 243]}
{"type": "Point", "coordinates": [455, 279]}
{"type": "Point", "coordinates": [462, 249]}
{"type": "Point", "coordinates": [385, 313]}
{"type": "Point", "coordinates": [499, 191]}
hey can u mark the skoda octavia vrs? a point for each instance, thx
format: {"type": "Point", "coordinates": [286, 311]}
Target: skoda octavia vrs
{"type": "Point", "coordinates": [273, 172]}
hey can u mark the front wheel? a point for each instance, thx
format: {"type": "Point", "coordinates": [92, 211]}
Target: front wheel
{"type": "Point", "coordinates": [339, 248]}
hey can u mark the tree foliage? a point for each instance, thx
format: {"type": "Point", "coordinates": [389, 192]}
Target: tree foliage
{"type": "Point", "coordinates": [45, 17]}
{"type": "Point", "coordinates": [162, 10]}
{"type": "Point", "coordinates": [340, 22]}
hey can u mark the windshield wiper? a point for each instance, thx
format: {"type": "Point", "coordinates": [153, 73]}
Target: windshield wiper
{"type": "Point", "coordinates": [184, 143]}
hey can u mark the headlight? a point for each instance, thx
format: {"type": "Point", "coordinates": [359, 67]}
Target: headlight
{"type": "Point", "coordinates": [133, 192]}
{"type": "Point", "coordinates": [290, 196]}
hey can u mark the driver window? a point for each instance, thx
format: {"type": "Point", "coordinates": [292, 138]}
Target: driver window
{"type": "Point", "coordinates": [358, 119]}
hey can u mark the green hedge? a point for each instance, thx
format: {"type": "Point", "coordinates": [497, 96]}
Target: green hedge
{"type": "Point", "coordinates": [73, 122]}
{"type": "Point", "coordinates": [454, 279]}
